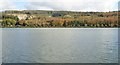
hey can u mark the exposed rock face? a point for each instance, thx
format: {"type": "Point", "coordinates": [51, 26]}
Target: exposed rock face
{"type": "Point", "coordinates": [20, 16]}
{"type": "Point", "coordinates": [68, 16]}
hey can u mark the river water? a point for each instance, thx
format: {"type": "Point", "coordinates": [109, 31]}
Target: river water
{"type": "Point", "coordinates": [60, 45]}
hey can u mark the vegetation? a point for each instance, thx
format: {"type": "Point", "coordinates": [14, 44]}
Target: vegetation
{"type": "Point", "coordinates": [38, 19]}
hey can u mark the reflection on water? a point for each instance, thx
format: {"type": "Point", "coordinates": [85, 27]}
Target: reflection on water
{"type": "Point", "coordinates": [60, 45]}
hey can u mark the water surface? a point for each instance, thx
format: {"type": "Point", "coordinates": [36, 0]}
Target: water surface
{"type": "Point", "coordinates": [84, 45]}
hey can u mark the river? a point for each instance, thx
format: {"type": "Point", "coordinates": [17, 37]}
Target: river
{"type": "Point", "coordinates": [60, 45]}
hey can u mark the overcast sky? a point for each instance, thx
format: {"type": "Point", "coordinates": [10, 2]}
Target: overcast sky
{"type": "Point", "coordinates": [66, 5]}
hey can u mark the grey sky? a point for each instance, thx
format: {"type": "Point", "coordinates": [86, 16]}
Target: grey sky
{"type": "Point", "coordinates": [69, 5]}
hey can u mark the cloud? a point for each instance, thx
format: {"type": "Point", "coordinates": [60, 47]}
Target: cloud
{"type": "Point", "coordinates": [70, 5]}
{"type": "Point", "coordinates": [74, 5]}
{"type": "Point", "coordinates": [119, 5]}
{"type": "Point", "coordinates": [6, 5]}
{"type": "Point", "coordinates": [9, 5]}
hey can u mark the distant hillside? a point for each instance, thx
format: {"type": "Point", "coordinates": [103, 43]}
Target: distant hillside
{"type": "Point", "coordinates": [40, 18]}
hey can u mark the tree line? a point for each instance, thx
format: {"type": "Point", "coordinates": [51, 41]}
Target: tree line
{"type": "Point", "coordinates": [60, 19]}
